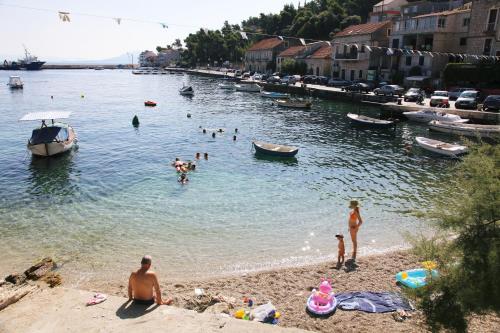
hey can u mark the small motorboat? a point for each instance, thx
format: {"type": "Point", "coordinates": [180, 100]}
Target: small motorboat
{"type": "Point", "coordinates": [15, 82]}
{"type": "Point", "coordinates": [272, 94]}
{"type": "Point", "coordinates": [322, 302]}
{"type": "Point", "coordinates": [426, 115]}
{"type": "Point", "coordinates": [226, 86]}
{"type": "Point", "coordinates": [473, 130]}
{"type": "Point", "coordinates": [440, 147]}
{"type": "Point", "coordinates": [416, 278]}
{"type": "Point", "coordinates": [368, 121]}
{"type": "Point", "coordinates": [50, 139]}
{"type": "Point", "coordinates": [149, 103]}
{"type": "Point", "coordinates": [274, 150]}
{"type": "Point", "coordinates": [248, 87]}
{"type": "Point", "coordinates": [294, 104]}
{"type": "Point", "coordinates": [186, 91]}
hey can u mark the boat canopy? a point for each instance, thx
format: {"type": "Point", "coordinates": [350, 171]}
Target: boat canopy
{"type": "Point", "coordinates": [49, 134]}
{"type": "Point", "coordinates": [46, 115]}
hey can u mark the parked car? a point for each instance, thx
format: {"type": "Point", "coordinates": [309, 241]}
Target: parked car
{"type": "Point", "coordinates": [335, 82]}
{"type": "Point", "coordinates": [237, 72]}
{"type": "Point", "coordinates": [257, 77]}
{"type": "Point", "coordinates": [246, 75]}
{"type": "Point", "coordinates": [440, 99]}
{"type": "Point", "coordinates": [492, 103]}
{"type": "Point", "coordinates": [383, 83]}
{"type": "Point", "coordinates": [390, 90]}
{"type": "Point", "coordinates": [467, 100]}
{"type": "Point", "coordinates": [264, 77]}
{"type": "Point", "coordinates": [311, 79]}
{"type": "Point", "coordinates": [288, 80]}
{"type": "Point", "coordinates": [358, 87]}
{"type": "Point", "coordinates": [455, 93]}
{"type": "Point", "coordinates": [322, 80]}
{"type": "Point", "coordinates": [412, 95]}
{"type": "Point", "coordinates": [273, 79]}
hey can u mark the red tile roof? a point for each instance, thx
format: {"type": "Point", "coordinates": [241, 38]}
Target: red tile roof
{"type": "Point", "coordinates": [266, 44]}
{"type": "Point", "coordinates": [362, 29]}
{"type": "Point", "coordinates": [324, 52]}
{"type": "Point", "coordinates": [292, 51]}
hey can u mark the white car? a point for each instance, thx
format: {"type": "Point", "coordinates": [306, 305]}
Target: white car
{"type": "Point", "coordinates": [440, 99]}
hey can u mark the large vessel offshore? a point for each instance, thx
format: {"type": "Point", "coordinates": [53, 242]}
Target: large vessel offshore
{"type": "Point", "coordinates": [30, 63]}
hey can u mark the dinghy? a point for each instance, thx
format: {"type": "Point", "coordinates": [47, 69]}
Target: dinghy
{"type": "Point", "coordinates": [50, 139]}
{"type": "Point", "coordinates": [15, 82]}
{"type": "Point", "coordinates": [186, 91]}
{"type": "Point", "coordinates": [474, 130]}
{"type": "Point", "coordinates": [274, 150]}
{"type": "Point", "coordinates": [227, 86]}
{"type": "Point", "coordinates": [440, 147]}
{"type": "Point", "coordinates": [368, 121]}
{"type": "Point", "coordinates": [294, 104]}
{"type": "Point", "coordinates": [272, 94]}
{"type": "Point", "coordinates": [426, 115]}
{"type": "Point", "coordinates": [247, 87]}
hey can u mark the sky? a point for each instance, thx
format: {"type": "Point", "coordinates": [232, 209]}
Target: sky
{"type": "Point", "coordinates": [93, 38]}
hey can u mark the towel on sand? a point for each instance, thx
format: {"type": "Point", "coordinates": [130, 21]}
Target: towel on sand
{"type": "Point", "coordinates": [372, 302]}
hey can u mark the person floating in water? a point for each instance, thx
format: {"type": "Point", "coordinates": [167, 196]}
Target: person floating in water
{"type": "Point", "coordinates": [178, 164]}
{"type": "Point", "coordinates": [183, 179]}
{"type": "Point", "coordinates": [205, 156]}
{"type": "Point", "coordinates": [341, 252]}
{"type": "Point", "coordinates": [143, 286]}
{"type": "Point", "coordinates": [355, 221]}
{"type": "Point", "coordinates": [197, 156]}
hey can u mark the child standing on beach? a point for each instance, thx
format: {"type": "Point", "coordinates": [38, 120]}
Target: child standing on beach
{"type": "Point", "coordinates": [340, 258]}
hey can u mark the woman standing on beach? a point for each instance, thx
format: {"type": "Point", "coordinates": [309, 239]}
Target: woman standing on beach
{"type": "Point", "coordinates": [355, 222]}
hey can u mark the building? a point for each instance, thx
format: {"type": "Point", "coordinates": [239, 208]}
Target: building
{"type": "Point", "coordinates": [293, 52]}
{"type": "Point", "coordinates": [442, 32]}
{"type": "Point", "coordinates": [261, 56]}
{"type": "Point", "coordinates": [386, 10]}
{"type": "Point", "coordinates": [353, 57]}
{"type": "Point", "coordinates": [320, 61]}
{"type": "Point", "coordinates": [423, 7]}
{"type": "Point", "coordinates": [147, 59]}
{"type": "Point", "coordinates": [484, 29]}
{"type": "Point", "coordinates": [167, 57]}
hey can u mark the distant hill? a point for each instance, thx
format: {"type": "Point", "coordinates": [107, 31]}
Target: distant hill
{"type": "Point", "coordinates": [121, 59]}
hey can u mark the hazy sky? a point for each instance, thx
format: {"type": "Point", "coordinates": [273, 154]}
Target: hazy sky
{"type": "Point", "coordinates": [85, 37]}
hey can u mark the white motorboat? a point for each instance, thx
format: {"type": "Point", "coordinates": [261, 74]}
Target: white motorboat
{"type": "Point", "coordinates": [426, 115]}
{"type": "Point", "coordinates": [474, 130]}
{"type": "Point", "coordinates": [272, 94]}
{"type": "Point", "coordinates": [227, 86]}
{"type": "Point", "coordinates": [248, 87]}
{"type": "Point", "coordinates": [440, 147]}
{"type": "Point", "coordinates": [15, 82]}
{"type": "Point", "coordinates": [50, 139]}
{"type": "Point", "coordinates": [186, 91]}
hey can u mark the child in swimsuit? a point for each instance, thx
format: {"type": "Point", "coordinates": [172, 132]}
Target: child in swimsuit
{"type": "Point", "coordinates": [340, 258]}
{"type": "Point", "coordinates": [355, 222]}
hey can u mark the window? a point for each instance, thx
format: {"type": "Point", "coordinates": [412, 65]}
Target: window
{"type": "Point", "coordinates": [362, 48]}
{"type": "Point", "coordinates": [353, 74]}
{"type": "Point", "coordinates": [466, 22]}
{"type": "Point", "coordinates": [492, 20]}
{"type": "Point", "coordinates": [360, 74]}
{"type": "Point", "coordinates": [487, 46]}
{"type": "Point", "coordinates": [395, 43]}
{"type": "Point", "coordinates": [421, 60]}
{"type": "Point", "coordinates": [408, 61]}
{"type": "Point", "coordinates": [463, 41]}
{"type": "Point", "coordinates": [342, 75]}
{"type": "Point", "coordinates": [441, 22]}
{"type": "Point", "coordinates": [389, 32]}
{"type": "Point", "coordinates": [345, 49]}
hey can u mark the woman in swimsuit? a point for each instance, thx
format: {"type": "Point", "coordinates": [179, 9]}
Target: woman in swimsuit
{"type": "Point", "coordinates": [355, 222]}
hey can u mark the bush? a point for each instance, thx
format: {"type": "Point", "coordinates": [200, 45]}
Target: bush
{"type": "Point", "coordinates": [481, 74]}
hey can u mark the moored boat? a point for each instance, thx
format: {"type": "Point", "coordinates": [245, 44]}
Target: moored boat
{"type": "Point", "coordinates": [426, 115]}
{"type": "Point", "coordinates": [272, 94]}
{"type": "Point", "coordinates": [440, 147]}
{"type": "Point", "coordinates": [15, 82]}
{"type": "Point", "coordinates": [149, 103]}
{"type": "Point", "coordinates": [474, 130]}
{"type": "Point", "coordinates": [226, 86]}
{"type": "Point", "coordinates": [50, 139]}
{"type": "Point", "coordinates": [274, 150]}
{"type": "Point", "coordinates": [368, 121]}
{"type": "Point", "coordinates": [186, 91]}
{"type": "Point", "coordinates": [294, 104]}
{"type": "Point", "coordinates": [248, 87]}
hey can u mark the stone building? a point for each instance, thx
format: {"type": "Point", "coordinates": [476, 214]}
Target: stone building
{"type": "Point", "coordinates": [261, 56]}
{"type": "Point", "coordinates": [147, 59]}
{"type": "Point", "coordinates": [353, 57]}
{"type": "Point", "coordinates": [484, 30]}
{"type": "Point", "coordinates": [320, 61]}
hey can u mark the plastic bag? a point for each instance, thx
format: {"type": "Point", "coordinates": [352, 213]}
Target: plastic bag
{"type": "Point", "coordinates": [261, 312]}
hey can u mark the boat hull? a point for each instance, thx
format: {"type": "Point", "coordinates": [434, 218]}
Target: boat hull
{"type": "Point", "coordinates": [54, 148]}
{"type": "Point", "coordinates": [267, 149]}
{"type": "Point", "coordinates": [425, 118]}
{"type": "Point", "coordinates": [369, 122]}
{"type": "Point", "coordinates": [483, 131]}
{"type": "Point", "coordinates": [247, 87]}
{"type": "Point", "coordinates": [441, 148]}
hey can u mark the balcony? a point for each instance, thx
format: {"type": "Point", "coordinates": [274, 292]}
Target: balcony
{"type": "Point", "coordinates": [490, 28]}
{"type": "Point", "coordinates": [346, 56]}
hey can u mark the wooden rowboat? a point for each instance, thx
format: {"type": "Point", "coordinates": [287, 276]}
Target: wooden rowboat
{"type": "Point", "coordinates": [294, 104]}
{"type": "Point", "coordinates": [474, 130]}
{"type": "Point", "coordinates": [368, 121]}
{"type": "Point", "coordinates": [274, 150]}
{"type": "Point", "coordinates": [440, 147]}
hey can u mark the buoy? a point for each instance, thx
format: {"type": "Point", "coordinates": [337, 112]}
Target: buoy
{"type": "Point", "coordinates": [213, 135]}
{"type": "Point", "coordinates": [189, 115]}
{"type": "Point", "coordinates": [135, 121]}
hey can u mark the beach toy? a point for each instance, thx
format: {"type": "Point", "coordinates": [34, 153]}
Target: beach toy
{"type": "Point", "coordinates": [322, 302]}
{"type": "Point", "coordinates": [239, 314]}
{"type": "Point", "coordinates": [429, 265]}
{"type": "Point", "coordinates": [416, 278]}
{"type": "Point", "coordinates": [96, 299]}
{"type": "Point", "coordinates": [277, 315]}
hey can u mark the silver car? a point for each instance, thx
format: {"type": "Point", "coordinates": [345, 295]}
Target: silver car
{"type": "Point", "coordinates": [390, 90]}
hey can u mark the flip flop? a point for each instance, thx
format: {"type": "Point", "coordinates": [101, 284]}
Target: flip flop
{"type": "Point", "coordinates": [98, 298]}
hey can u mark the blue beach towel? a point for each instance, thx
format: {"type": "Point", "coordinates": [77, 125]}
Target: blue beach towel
{"type": "Point", "coordinates": [372, 302]}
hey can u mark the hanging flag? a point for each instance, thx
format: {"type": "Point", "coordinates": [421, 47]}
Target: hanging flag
{"type": "Point", "coordinates": [390, 51]}
{"type": "Point", "coordinates": [64, 16]}
{"type": "Point", "coordinates": [243, 35]}
{"type": "Point", "coordinates": [163, 25]}
{"type": "Point", "coordinates": [356, 46]}
{"type": "Point", "coordinates": [302, 41]}
{"type": "Point", "coordinates": [280, 37]}
{"type": "Point", "coordinates": [118, 20]}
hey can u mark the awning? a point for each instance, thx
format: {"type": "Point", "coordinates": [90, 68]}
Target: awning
{"type": "Point", "coordinates": [417, 78]}
{"type": "Point", "coordinates": [46, 115]}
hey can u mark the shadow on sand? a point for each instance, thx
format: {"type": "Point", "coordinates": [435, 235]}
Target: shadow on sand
{"type": "Point", "coordinates": [350, 265]}
{"type": "Point", "coordinates": [130, 310]}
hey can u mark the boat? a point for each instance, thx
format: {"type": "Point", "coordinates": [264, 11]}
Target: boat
{"type": "Point", "coordinates": [99, 68]}
{"type": "Point", "coordinates": [474, 130]}
{"type": "Point", "coordinates": [426, 115]}
{"type": "Point", "coordinates": [15, 82]}
{"type": "Point", "coordinates": [186, 91]}
{"type": "Point", "coordinates": [227, 86]}
{"type": "Point", "coordinates": [368, 121]}
{"type": "Point", "coordinates": [440, 147]}
{"type": "Point", "coordinates": [50, 139]}
{"type": "Point", "coordinates": [30, 63]}
{"type": "Point", "coordinates": [248, 87]}
{"type": "Point", "coordinates": [10, 66]}
{"type": "Point", "coordinates": [149, 103]}
{"type": "Point", "coordinates": [294, 104]}
{"type": "Point", "coordinates": [271, 94]}
{"type": "Point", "coordinates": [274, 150]}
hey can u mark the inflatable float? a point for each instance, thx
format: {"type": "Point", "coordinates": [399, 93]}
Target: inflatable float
{"type": "Point", "coordinates": [322, 302]}
{"type": "Point", "coordinates": [416, 278]}
{"type": "Point", "coordinates": [149, 103]}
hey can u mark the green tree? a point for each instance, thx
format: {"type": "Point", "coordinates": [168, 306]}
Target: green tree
{"type": "Point", "coordinates": [467, 244]}
{"type": "Point", "coordinates": [288, 66]}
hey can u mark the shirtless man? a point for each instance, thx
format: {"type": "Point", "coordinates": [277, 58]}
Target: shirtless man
{"type": "Point", "coordinates": [142, 283]}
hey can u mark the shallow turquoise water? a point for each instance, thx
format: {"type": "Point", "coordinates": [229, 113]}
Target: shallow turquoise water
{"type": "Point", "coordinates": [104, 205]}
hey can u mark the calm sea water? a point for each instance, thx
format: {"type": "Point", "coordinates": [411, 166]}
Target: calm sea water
{"type": "Point", "coordinates": [115, 198]}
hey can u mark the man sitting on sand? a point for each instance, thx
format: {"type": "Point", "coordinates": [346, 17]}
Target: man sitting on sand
{"type": "Point", "coordinates": [141, 284]}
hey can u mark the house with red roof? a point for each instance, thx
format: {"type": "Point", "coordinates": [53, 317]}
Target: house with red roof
{"type": "Point", "coordinates": [261, 56]}
{"type": "Point", "coordinates": [320, 61]}
{"type": "Point", "coordinates": [355, 52]}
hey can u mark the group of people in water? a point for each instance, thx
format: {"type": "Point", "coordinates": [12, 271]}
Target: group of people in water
{"type": "Point", "coordinates": [183, 167]}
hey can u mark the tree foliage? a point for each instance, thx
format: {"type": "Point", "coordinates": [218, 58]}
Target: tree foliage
{"type": "Point", "coordinates": [467, 244]}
